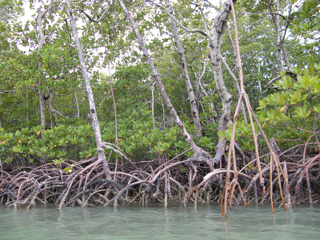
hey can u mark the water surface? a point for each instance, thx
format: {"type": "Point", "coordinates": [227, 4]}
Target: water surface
{"type": "Point", "coordinates": [176, 222]}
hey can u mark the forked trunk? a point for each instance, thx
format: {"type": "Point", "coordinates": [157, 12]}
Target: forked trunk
{"type": "Point", "coordinates": [199, 154]}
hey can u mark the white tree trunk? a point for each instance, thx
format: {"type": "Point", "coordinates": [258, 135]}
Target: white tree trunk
{"type": "Point", "coordinates": [215, 57]}
{"type": "Point", "coordinates": [199, 154]}
{"type": "Point", "coordinates": [77, 103]}
{"type": "Point", "coordinates": [194, 109]}
{"type": "Point", "coordinates": [40, 45]}
{"type": "Point", "coordinates": [152, 105]}
{"type": "Point", "coordinates": [93, 112]}
{"type": "Point", "coordinates": [280, 38]}
{"type": "Point", "coordinates": [211, 104]}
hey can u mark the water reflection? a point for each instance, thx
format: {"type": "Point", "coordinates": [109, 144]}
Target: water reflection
{"type": "Point", "coordinates": [175, 222]}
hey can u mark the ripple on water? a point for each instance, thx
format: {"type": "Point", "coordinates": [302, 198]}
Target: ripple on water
{"type": "Point", "coordinates": [177, 222]}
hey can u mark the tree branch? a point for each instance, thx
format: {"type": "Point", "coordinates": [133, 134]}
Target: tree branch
{"type": "Point", "coordinates": [272, 80]}
{"type": "Point", "coordinates": [8, 91]}
{"type": "Point", "coordinates": [280, 15]}
{"type": "Point", "coordinates": [195, 30]}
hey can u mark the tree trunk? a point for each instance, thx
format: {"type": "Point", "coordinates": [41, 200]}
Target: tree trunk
{"type": "Point", "coordinates": [93, 112]}
{"type": "Point", "coordinates": [280, 39]}
{"type": "Point", "coordinates": [211, 104]}
{"type": "Point", "coordinates": [152, 105]}
{"type": "Point", "coordinates": [40, 91]}
{"type": "Point", "coordinates": [235, 82]}
{"type": "Point", "coordinates": [199, 154]}
{"type": "Point", "coordinates": [41, 103]}
{"type": "Point", "coordinates": [48, 100]}
{"type": "Point", "coordinates": [215, 57]}
{"type": "Point", "coordinates": [27, 106]}
{"type": "Point", "coordinates": [194, 109]}
{"type": "Point", "coordinates": [234, 51]}
{"type": "Point", "coordinates": [77, 103]}
{"type": "Point", "coordinates": [276, 22]}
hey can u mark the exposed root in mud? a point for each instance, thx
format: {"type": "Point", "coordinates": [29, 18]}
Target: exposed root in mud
{"type": "Point", "coordinates": [84, 183]}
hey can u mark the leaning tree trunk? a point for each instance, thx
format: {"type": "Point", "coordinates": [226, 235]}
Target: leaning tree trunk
{"type": "Point", "coordinates": [215, 57]}
{"type": "Point", "coordinates": [199, 154]}
{"type": "Point", "coordinates": [194, 109]}
{"type": "Point", "coordinates": [93, 112]}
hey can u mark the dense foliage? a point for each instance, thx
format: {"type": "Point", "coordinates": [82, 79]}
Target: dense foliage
{"type": "Point", "coordinates": [292, 106]}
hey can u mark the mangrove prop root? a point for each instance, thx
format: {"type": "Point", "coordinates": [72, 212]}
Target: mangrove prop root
{"type": "Point", "coordinates": [155, 182]}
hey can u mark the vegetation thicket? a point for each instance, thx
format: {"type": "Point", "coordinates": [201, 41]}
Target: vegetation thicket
{"type": "Point", "coordinates": [109, 102]}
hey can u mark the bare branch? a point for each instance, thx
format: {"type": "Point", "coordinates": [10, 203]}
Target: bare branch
{"type": "Point", "coordinates": [8, 91]}
{"type": "Point", "coordinates": [273, 80]}
{"type": "Point", "coordinates": [117, 150]}
{"type": "Point", "coordinates": [57, 112]}
{"type": "Point", "coordinates": [279, 14]}
{"type": "Point", "coordinates": [96, 20]}
{"type": "Point", "coordinates": [195, 30]}
{"type": "Point", "coordinates": [235, 80]}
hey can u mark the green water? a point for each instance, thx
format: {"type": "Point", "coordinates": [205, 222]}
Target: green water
{"type": "Point", "coordinates": [177, 222]}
